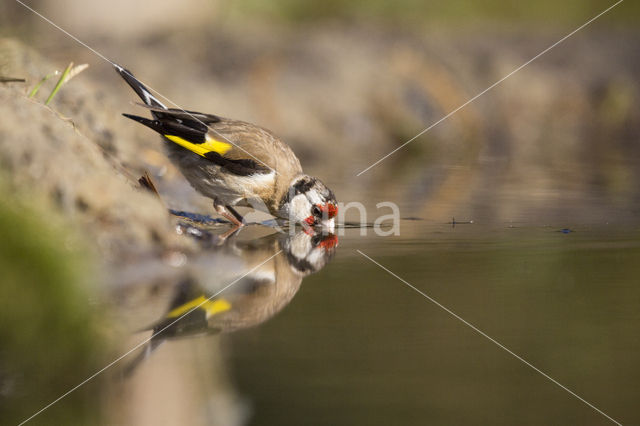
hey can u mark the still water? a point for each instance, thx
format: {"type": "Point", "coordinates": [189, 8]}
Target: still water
{"type": "Point", "coordinates": [311, 333]}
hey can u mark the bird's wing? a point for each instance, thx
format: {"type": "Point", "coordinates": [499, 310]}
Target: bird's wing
{"type": "Point", "coordinates": [209, 136]}
{"type": "Point", "coordinates": [255, 144]}
{"type": "Point", "coordinates": [240, 148]}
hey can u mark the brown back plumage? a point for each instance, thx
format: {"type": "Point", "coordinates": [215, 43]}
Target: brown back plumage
{"type": "Point", "coordinates": [259, 144]}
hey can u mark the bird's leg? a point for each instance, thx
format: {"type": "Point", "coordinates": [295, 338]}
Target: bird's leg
{"type": "Point", "coordinates": [236, 214]}
{"type": "Point", "coordinates": [222, 238]}
{"type": "Point", "coordinates": [232, 216]}
{"type": "Point", "coordinates": [228, 213]}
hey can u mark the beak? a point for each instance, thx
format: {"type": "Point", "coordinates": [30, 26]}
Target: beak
{"type": "Point", "coordinates": [307, 228]}
{"type": "Point", "coordinates": [328, 224]}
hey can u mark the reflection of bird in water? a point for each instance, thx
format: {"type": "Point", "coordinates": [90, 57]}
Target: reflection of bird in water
{"type": "Point", "coordinates": [201, 304]}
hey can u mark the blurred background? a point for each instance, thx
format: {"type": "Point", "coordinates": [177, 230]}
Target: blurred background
{"type": "Point", "coordinates": [345, 83]}
{"type": "Point", "coordinates": [553, 147]}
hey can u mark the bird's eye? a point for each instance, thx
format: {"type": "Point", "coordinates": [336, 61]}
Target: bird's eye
{"type": "Point", "coordinates": [315, 210]}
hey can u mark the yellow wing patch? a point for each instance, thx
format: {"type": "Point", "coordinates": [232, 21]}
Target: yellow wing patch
{"type": "Point", "coordinates": [211, 307]}
{"type": "Point", "coordinates": [209, 145]}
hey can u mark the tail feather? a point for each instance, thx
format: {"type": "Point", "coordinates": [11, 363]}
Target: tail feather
{"type": "Point", "coordinates": [152, 124]}
{"type": "Point", "coordinates": [172, 128]}
{"type": "Point", "coordinates": [139, 88]}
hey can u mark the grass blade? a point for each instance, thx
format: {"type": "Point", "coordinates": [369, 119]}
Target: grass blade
{"type": "Point", "coordinates": [67, 75]}
{"type": "Point", "coordinates": [37, 86]}
{"type": "Point", "coordinates": [61, 81]}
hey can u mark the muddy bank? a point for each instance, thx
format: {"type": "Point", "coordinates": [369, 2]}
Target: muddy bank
{"type": "Point", "coordinates": [92, 249]}
{"type": "Point", "coordinates": [65, 155]}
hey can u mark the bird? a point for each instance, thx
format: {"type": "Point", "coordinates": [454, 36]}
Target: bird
{"type": "Point", "coordinates": [236, 163]}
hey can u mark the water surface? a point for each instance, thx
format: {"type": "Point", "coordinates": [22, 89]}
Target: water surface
{"type": "Point", "coordinates": [355, 345]}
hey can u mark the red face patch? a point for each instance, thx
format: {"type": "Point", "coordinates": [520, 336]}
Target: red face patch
{"type": "Point", "coordinates": [329, 242]}
{"type": "Point", "coordinates": [329, 210]}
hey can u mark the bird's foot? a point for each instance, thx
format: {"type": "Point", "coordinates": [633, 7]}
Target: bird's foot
{"type": "Point", "coordinates": [222, 238]}
{"type": "Point", "coordinates": [229, 213]}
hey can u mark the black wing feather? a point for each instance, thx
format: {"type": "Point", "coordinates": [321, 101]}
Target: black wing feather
{"type": "Point", "coordinates": [240, 167]}
{"type": "Point", "coordinates": [173, 128]}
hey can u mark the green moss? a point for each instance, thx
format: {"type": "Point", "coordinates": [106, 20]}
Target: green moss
{"type": "Point", "coordinates": [48, 336]}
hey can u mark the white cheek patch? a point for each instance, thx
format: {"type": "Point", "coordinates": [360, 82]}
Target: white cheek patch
{"type": "Point", "coordinates": [317, 257]}
{"type": "Point", "coordinates": [300, 207]}
{"type": "Point", "coordinates": [300, 245]}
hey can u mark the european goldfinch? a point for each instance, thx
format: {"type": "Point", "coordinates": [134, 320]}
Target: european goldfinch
{"type": "Point", "coordinates": [237, 163]}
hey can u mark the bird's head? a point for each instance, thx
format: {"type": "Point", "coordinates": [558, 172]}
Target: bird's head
{"type": "Point", "coordinates": [309, 202]}
{"type": "Point", "coordinates": [307, 253]}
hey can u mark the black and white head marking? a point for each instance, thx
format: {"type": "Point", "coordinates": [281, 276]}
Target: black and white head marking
{"type": "Point", "coordinates": [302, 200]}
